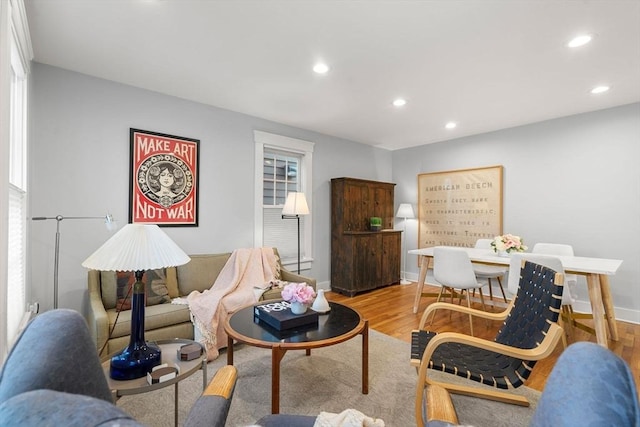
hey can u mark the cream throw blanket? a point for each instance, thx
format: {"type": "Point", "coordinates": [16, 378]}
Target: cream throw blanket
{"type": "Point", "coordinates": [233, 289]}
{"type": "Point", "coordinates": [347, 418]}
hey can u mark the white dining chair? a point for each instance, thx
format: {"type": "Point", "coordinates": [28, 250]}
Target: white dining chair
{"type": "Point", "coordinates": [452, 269]}
{"type": "Point", "coordinates": [489, 272]}
{"type": "Point", "coordinates": [548, 261]}
{"type": "Point", "coordinates": [570, 280]}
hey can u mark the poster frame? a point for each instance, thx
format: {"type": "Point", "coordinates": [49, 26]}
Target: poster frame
{"type": "Point", "coordinates": [176, 158]}
{"type": "Point", "coordinates": [480, 188]}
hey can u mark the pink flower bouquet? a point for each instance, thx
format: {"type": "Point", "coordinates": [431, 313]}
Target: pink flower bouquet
{"type": "Point", "coordinates": [298, 292]}
{"type": "Point", "coordinates": [508, 243]}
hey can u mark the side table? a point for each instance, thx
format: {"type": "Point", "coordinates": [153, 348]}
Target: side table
{"type": "Point", "coordinates": [169, 350]}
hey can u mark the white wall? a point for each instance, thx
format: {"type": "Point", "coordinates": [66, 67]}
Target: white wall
{"type": "Point", "coordinates": [79, 167]}
{"type": "Point", "coordinates": [572, 180]}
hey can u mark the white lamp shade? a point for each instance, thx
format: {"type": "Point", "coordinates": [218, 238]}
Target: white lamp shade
{"type": "Point", "coordinates": [137, 247]}
{"type": "Point", "coordinates": [296, 204]}
{"type": "Point", "coordinates": [405, 210]}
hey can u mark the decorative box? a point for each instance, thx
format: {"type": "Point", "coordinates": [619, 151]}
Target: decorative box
{"type": "Point", "coordinates": [279, 316]}
{"type": "Point", "coordinates": [189, 351]}
{"type": "Point", "coordinates": [286, 334]}
{"type": "Point", "coordinates": [162, 373]}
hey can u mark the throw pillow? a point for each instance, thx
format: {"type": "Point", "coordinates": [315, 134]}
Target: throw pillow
{"type": "Point", "coordinates": [156, 291]}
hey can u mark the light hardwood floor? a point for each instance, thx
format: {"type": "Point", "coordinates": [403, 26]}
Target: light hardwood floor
{"type": "Point", "coordinates": [390, 311]}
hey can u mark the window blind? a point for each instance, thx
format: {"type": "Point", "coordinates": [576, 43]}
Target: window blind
{"type": "Point", "coordinates": [16, 298]}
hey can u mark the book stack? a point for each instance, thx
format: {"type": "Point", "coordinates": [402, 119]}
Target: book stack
{"type": "Point", "coordinates": [278, 315]}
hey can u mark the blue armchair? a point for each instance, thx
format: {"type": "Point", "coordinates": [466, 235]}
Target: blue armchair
{"type": "Point", "coordinates": [589, 385]}
{"type": "Point", "coordinates": [53, 377]}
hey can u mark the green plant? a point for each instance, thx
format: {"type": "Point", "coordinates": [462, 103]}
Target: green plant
{"type": "Point", "coordinates": [375, 223]}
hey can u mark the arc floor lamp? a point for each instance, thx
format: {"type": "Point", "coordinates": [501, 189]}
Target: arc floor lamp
{"type": "Point", "coordinates": [108, 221]}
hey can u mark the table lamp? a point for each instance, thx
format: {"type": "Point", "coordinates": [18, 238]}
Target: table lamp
{"type": "Point", "coordinates": [294, 206]}
{"type": "Point", "coordinates": [136, 247]}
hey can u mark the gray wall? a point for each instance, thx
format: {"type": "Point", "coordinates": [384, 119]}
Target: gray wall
{"type": "Point", "coordinates": [79, 160]}
{"type": "Point", "coordinates": [572, 180]}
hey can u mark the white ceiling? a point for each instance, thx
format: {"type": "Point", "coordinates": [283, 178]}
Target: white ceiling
{"type": "Point", "coordinates": [486, 64]}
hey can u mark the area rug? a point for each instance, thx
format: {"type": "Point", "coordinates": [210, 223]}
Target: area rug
{"type": "Point", "coordinates": [329, 380]}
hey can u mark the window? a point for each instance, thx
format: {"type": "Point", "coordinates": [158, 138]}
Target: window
{"type": "Point", "coordinates": [279, 177]}
{"type": "Point", "coordinates": [16, 293]}
{"type": "Point", "coordinates": [17, 52]}
{"type": "Point", "coordinates": [283, 165]}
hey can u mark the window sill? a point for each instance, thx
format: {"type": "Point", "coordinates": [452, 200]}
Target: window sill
{"type": "Point", "coordinates": [292, 264]}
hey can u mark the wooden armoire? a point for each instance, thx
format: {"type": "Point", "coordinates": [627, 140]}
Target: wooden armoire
{"type": "Point", "coordinates": [361, 259]}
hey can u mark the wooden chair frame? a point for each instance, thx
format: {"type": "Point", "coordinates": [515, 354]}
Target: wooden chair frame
{"type": "Point", "coordinates": [439, 406]}
{"type": "Point", "coordinates": [543, 350]}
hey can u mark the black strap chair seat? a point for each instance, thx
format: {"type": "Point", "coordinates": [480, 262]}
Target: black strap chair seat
{"type": "Point", "coordinates": [483, 366]}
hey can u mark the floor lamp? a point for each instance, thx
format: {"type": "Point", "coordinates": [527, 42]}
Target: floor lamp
{"type": "Point", "coordinates": [109, 223]}
{"type": "Point", "coordinates": [295, 206]}
{"type": "Point", "coordinates": [405, 211]}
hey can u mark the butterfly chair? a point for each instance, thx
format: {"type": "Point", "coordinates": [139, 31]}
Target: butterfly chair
{"type": "Point", "coordinates": [452, 269]}
{"type": "Point", "coordinates": [489, 272]}
{"type": "Point", "coordinates": [529, 333]}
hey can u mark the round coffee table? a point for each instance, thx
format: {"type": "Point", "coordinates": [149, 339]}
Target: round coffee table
{"type": "Point", "coordinates": [338, 325]}
{"type": "Point", "coordinates": [169, 349]}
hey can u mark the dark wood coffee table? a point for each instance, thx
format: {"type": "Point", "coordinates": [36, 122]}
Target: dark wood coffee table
{"type": "Point", "coordinates": [338, 325]}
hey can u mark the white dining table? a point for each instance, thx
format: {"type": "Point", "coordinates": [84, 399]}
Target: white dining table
{"type": "Point", "coordinates": [596, 271]}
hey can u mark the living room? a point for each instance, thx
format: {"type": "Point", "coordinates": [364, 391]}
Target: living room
{"type": "Point", "coordinates": [571, 179]}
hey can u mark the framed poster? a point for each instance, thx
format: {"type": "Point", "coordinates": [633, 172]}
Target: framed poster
{"type": "Point", "coordinates": [456, 208]}
{"type": "Point", "coordinates": [163, 179]}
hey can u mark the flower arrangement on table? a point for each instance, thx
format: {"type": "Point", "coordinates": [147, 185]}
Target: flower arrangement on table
{"type": "Point", "coordinates": [508, 243]}
{"type": "Point", "coordinates": [300, 293]}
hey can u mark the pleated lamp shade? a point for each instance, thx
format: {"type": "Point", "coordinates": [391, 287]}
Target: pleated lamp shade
{"type": "Point", "coordinates": [137, 247]}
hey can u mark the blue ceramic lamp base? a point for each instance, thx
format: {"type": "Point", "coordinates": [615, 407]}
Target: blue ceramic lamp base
{"type": "Point", "coordinates": [139, 357]}
{"type": "Point", "coordinates": [135, 362]}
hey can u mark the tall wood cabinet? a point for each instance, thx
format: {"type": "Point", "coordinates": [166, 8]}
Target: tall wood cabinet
{"type": "Point", "coordinates": [361, 259]}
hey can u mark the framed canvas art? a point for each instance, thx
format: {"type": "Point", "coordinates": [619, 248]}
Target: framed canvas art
{"type": "Point", "coordinates": [163, 179]}
{"type": "Point", "coordinates": [456, 208]}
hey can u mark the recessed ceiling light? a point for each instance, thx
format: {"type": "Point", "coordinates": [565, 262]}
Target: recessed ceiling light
{"type": "Point", "coordinates": [399, 102]}
{"type": "Point", "coordinates": [599, 89]}
{"type": "Point", "coordinates": [321, 68]}
{"type": "Point", "coordinates": [579, 40]}
{"type": "Point", "coordinates": [451, 125]}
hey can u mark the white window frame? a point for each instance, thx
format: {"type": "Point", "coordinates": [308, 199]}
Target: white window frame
{"type": "Point", "coordinates": [265, 140]}
{"type": "Point", "coordinates": [15, 56]}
